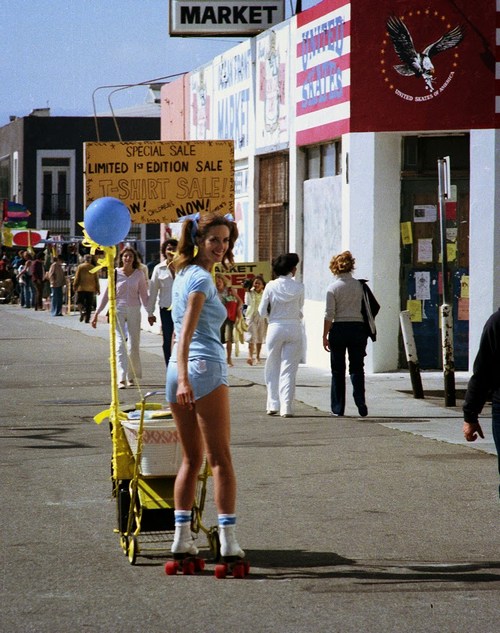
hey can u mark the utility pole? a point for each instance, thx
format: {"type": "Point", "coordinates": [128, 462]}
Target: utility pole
{"type": "Point", "coordinates": [446, 307]}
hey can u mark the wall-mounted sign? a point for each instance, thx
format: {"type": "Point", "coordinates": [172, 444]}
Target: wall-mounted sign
{"type": "Point", "coordinates": [417, 65]}
{"type": "Point", "coordinates": [231, 17]}
{"type": "Point", "coordinates": [271, 105]}
{"type": "Point", "coordinates": [233, 95]}
{"type": "Point", "coordinates": [162, 181]}
{"type": "Point", "coordinates": [322, 90]}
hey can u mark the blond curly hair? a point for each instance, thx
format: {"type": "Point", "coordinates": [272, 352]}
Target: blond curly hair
{"type": "Point", "coordinates": [342, 263]}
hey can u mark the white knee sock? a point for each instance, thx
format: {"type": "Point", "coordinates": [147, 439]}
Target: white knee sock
{"type": "Point", "coordinates": [227, 534]}
{"type": "Point", "coordinates": [183, 539]}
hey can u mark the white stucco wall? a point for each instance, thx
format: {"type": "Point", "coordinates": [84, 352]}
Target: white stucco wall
{"type": "Point", "coordinates": [322, 239]}
{"type": "Point", "coordinates": [484, 241]}
{"type": "Point", "coordinates": [359, 211]}
{"type": "Point", "coordinates": [373, 234]}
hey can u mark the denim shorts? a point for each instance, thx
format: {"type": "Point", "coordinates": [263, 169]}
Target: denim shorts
{"type": "Point", "coordinates": [204, 375]}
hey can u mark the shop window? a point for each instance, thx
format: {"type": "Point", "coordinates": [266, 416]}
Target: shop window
{"type": "Point", "coordinates": [421, 153]}
{"type": "Point", "coordinates": [324, 160]}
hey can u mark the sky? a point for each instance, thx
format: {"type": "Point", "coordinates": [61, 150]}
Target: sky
{"type": "Point", "coordinates": [55, 53]}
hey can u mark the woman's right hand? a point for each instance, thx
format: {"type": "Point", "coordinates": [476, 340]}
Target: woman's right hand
{"type": "Point", "coordinates": [185, 395]}
{"type": "Point", "coordinates": [93, 323]}
{"type": "Point", "coordinates": [326, 344]}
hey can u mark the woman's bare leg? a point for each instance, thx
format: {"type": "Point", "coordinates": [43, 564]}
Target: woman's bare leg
{"type": "Point", "coordinates": [214, 422]}
{"type": "Point", "coordinates": [192, 444]}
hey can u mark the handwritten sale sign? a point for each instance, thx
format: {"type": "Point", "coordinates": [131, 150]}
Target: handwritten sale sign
{"type": "Point", "coordinates": [162, 181]}
{"type": "Point", "coordinates": [241, 271]}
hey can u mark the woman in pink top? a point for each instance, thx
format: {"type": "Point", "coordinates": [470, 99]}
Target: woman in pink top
{"type": "Point", "coordinates": [131, 291]}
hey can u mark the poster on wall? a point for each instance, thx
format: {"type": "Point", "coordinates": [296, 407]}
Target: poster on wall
{"type": "Point", "coordinates": [425, 213]}
{"type": "Point", "coordinates": [233, 95]}
{"type": "Point", "coordinates": [271, 104]}
{"type": "Point", "coordinates": [322, 41]}
{"type": "Point", "coordinates": [200, 104]}
{"type": "Point", "coordinates": [422, 285]}
{"type": "Point", "coordinates": [242, 214]}
{"type": "Point", "coordinates": [425, 250]}
{"type": "Point", "coordinates": [430, 65]}
{"type": "Point", "coordinates": [161, 181]}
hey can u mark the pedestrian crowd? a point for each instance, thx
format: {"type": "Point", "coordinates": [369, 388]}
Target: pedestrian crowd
{"type": "Point", "coordinates": [38, 280]}
{"type": "Point", "coordinates": [265, 314]}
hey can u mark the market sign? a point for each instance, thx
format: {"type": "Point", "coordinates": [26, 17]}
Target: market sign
{"type": "Point", "coordinates": [162, 181]}
{"type": "Point", "coordinates": [232, 17]}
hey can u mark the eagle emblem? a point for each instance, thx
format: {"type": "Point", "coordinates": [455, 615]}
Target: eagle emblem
{"type": "Point", "coordinates": [415, 63]}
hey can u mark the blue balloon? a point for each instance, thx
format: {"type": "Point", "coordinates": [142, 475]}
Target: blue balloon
{"type": "Point", "coordinates": [107, 221]}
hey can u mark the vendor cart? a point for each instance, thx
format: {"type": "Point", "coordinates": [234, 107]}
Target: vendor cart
{"type": "Point", "coordinates": [144, 471]}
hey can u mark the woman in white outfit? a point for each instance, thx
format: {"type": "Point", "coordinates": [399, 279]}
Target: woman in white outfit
{"type": "Point", "coordinates": [282, 304]}
{"type": "Point", "coordinates": [131, 291]}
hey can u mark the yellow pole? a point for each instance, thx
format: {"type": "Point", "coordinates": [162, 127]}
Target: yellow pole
{"type": "Point", "coordinates": [122, 458]}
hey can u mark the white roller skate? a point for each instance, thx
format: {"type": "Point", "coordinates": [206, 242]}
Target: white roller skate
{"type": "Point", "coordinates": [233, 557]}
{"type": "Point", "coordinates": [185, 553]}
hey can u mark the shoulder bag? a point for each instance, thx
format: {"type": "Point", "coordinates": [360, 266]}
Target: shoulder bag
{"type": "Point", "coordinates": [370, 307]}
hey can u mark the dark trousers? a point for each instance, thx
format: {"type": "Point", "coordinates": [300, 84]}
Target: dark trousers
{"type": "Point", "coordinates": [167, 328]}
{"type": "Point", "coordinates": [495, 423]}
{"type": "Point", "coordinates": [86, 302]}
{"type": "Point", "coordinates": [350, 337]}
{"type": "Point", "coordinates": [38, 285]}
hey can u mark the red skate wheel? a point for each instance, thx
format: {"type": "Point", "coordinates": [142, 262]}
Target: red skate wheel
{"type": "Point", "coordinates": [247, 567]}
{"type": "Point", "coordinates": [199, 564]}
{"type": "Point", "coordinates": [239, 570]}
{"type": "Point", "coordinates": [221, 571]}
{"type": "Point", "coordinates": [171, 567]}
{"type": "Point", "coordinates": [188, 567]}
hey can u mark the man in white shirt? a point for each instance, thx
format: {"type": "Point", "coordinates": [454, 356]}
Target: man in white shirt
{"type": "Point", "coordinates": [160, 288]}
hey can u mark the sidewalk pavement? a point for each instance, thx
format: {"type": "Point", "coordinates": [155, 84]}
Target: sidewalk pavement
{"type": "Point", "coordinates": [389, 395]}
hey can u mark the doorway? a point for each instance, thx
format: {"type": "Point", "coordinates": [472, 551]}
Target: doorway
{"type": "Point", "coordinates": [422, 281]}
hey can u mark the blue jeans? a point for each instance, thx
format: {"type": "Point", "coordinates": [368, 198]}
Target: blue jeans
{"type": "Point", "coordinates": [27, 294]}
{"type": "Point", "coordinates": [350, 337]}
{"type": "Point", "coordinates": [56, 301]}
{"type": "Point", "coordinates": [167, 329]}
{"type": "Point", "coordinates": [495, 423]}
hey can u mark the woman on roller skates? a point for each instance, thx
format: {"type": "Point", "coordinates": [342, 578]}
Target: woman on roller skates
{"type": "Point", "coordinates": [197, 383]}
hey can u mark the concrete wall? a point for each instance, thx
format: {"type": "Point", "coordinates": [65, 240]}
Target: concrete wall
{"type": "Point", "coordinates": [175, 110]}
{"type": "Point", "coordinates": [484, 243]}
{"type": "Point", "coordinates": [373, 233]}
